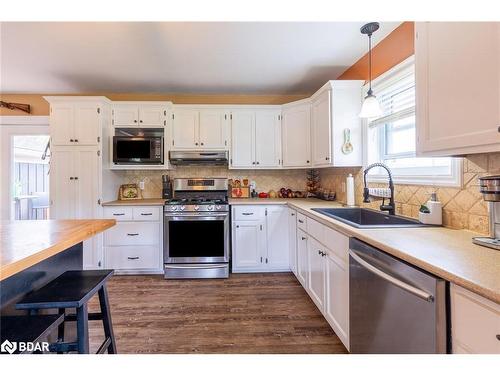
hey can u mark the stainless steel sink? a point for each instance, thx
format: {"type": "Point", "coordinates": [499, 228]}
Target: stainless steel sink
{"type": "Point", "coordinates": [367, 218]}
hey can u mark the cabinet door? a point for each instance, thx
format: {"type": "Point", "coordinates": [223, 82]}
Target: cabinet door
{"type": "Point", "coordinates": [292, 239]}
{"type": "Point", "coordinates": [185, 129]}
{"type": "Point", "coordinates": [267, 139]}
{"type": "Point", "coordinates": [61, 124]}
{"type": "Point", "coordinates": [321, 129]}
{"type": "Point", "coordinates": [458, 87]}
{"type": "Point", "coordinates": [302, 258]}
{"type": "Point", "coordinates": [212, 129]}
{"type": "Point", "coordinates": [277, 238]}
{"type": "Point", "coordinates": [125, 115]}
{"type": "Point", "coordinates": [296, 137]}
{"type": "Point", "coordinates": [249, 245]}
{"type": "Point", "coordinates": [87, 172]}
{"type": "Point", "coordinates": [62, 183]}
{"type": "Point", "coordinates": [242, 139]}
{"type": "Point", "coordinates": [316, 272]}
{"type": "Point", "coordinates": [152, 115]}
{"type": "Point", "coordinates": [87, 124]}
{"type": "Point", "coordinates": [337, 295]}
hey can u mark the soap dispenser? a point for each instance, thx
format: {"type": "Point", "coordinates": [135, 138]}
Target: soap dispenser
{"type": "Point", "coordinates": [431, 212]}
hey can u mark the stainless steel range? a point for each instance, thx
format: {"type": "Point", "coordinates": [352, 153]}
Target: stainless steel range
{"type": "Point", "coordinates": [196, 229]}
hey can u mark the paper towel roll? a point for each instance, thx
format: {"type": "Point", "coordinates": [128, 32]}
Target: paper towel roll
{"type": "Point", "coordinates": [350, 190]}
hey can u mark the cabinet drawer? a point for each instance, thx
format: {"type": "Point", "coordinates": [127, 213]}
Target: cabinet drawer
{"type": "Point", "coordinates": [120, 213]}
{"type": "Point", "coordinates": [133, 234]}
{"type": "Point", "coordinates": [316, 230]}
{"type": "Point", "coordinates": [132, 257]}
{"type": "Point", "coordinates": [337, 243]}
{"type": "Point", "coordinates": [248, 212]}
{"type": "Point", "coordinates": [146, 213]}
{"type": "Point", "coordinates": [302, 221]}
{"type": "Point", "coordinates": [475, 323]}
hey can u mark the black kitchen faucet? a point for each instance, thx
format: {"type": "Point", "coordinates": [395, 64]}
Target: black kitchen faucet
{"type": "Point", "coordinates": [391, 207]}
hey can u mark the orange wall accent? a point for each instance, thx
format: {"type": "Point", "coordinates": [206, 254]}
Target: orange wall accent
{"type": "Point", "coordinates": [39, 107]}
{"type": "Point", "coordinates": [396, 47]}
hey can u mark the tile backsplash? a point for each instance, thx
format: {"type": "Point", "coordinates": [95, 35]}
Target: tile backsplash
{"type": "Point", "coordinates": [266, 180]}
{"type": "Point", "coordinates": [463, 208]}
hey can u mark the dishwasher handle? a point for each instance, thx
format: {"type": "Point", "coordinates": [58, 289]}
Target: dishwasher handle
{"type": "Point", "coordinates": [391, 279]}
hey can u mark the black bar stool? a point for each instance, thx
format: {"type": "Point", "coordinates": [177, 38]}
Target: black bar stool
{"type": "Point", "coordinates": [26, 329]}
{"type": "Point", "coordinates": [73, 289]}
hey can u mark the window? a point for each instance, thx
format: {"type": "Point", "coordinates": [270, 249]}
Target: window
{"type": "Point", "coordinates": [391, 138]}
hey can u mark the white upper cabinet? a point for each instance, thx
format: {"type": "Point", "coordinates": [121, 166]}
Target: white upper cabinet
{"type": "Point", "coordinates": [457, 67]}
{"type": "Point", "coordinates": [334, 122]}
{"type": "Point", "coordinates": [212, 129]}
{"type": "Point", "coordinates": [242, 139]}
{"type": "Point", "coordinates": [142, 114]}
{"type": "Point", "coordinates": [74, 122]}
{"type": "Point", "coordinates": [199, 129]}
{"type": "Point", "coordinates": [256, 138]}
{"type": "Point", "coordinates": [185, 129]}
{"type": "Point", "coordinates": [268, 139]}
{"type": "Point", "coordinates": [296, 134]}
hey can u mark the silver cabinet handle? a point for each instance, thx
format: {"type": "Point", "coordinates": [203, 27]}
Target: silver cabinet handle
{"type": "Point", "coordinates": [146, 213]}
{"type": "Point", "coordinates": [132, 234]}
{"type": "Point", "coordinates": [247, 213]}
{"type": "Point", "coordinates": [133, 258]}
{"type": "Point", "coordinates": [118, 214]}
{"type": "Point", "coordinates": [400, 284]}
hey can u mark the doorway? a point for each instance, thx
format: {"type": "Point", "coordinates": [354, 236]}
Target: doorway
{"type": "Point", "coordinates": [24, 167]}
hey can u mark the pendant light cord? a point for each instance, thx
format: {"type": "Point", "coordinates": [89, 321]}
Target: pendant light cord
{"type": "Point", "coordinates": [370, 63]}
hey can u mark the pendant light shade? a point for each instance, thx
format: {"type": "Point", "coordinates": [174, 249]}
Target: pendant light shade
{"type": "Point", "coordinates": [371, 106]}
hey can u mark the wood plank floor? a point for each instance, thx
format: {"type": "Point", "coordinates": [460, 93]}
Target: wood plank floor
{"type": "Point", "coordinates": [247, 313]}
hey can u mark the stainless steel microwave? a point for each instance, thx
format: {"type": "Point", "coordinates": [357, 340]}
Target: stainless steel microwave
{"type": "Point", "coordinates": [138, 146]}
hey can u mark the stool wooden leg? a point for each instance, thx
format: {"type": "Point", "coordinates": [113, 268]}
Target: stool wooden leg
{"type": "Point", "coordinates": [82, 329]}
{"type": "Point", "coordinates": [106, 319]}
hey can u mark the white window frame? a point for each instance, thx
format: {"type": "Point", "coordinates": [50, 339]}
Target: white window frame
{"type": "Point", "coordinates": [452, 180]}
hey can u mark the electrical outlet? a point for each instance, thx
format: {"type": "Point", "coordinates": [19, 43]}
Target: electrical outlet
{"type": "Point", "coordinates": [141, 185]}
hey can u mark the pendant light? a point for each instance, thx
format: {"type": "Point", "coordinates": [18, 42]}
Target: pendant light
{"type": "Point", "coordinates": [371, 106]}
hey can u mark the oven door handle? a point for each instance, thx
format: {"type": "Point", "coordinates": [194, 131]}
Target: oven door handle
{"type": "Point", "coordinates": [193, 266]}
{"type": "Point", "coordinates": [202, 216]}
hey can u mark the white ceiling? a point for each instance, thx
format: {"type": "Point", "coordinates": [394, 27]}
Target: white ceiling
{"type": "Point", "coordinates": [253, 58]}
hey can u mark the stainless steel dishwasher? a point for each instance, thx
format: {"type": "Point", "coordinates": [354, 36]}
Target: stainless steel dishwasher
{"type": "Point", "coordinates": [393, 307]}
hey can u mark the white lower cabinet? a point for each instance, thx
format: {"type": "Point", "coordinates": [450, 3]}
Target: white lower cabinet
{"type": "Point", "coordinates": [292, 239]}
{"type": "Point", "coordinates": [260, 239]}
{"type": "Point", "coordinates": [336, 309]}
{"type": "Point", "coordinates": [134, 244]}
{"type": "Point", "coordinates": [475, 323]}
{"type": "Point", "coordinates": [323, 271]}
{"type": "Point", "coordinates": [302, 258]}
{"type": "Point", "coordinates": [316, 272]}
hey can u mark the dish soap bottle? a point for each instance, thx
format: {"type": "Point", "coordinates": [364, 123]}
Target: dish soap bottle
{"type": "Point", "coordinates": [432, 212]}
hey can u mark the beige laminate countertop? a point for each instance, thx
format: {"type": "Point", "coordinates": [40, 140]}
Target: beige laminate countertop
{"type": "Point", "coordinates": [137, 202]}
{"type": "Point", "coordinates": [28, 242]}
{"type": "Point", "coordinates": [447, 253]}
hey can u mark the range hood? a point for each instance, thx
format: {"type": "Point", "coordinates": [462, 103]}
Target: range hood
{"type": "Point", "coordinates": [199, 157]}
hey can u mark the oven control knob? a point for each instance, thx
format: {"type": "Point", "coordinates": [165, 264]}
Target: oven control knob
{"type": "Point", "coordinates": [210, 208]}
{"type": "Point", "coordinates": [217, 208]}
{"type": "Point", "coordinates": [173, 208]}
{"type": "Point", "coordinates": [196, 208]}
{"type": "Point", "coordinates": [182, 208]}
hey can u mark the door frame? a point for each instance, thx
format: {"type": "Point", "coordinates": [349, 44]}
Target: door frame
{"type": "Point", "coordinates": [11, 126]}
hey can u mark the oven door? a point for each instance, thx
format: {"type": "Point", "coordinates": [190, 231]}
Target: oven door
{"type": "Point", "coordinates": [196, 237]}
